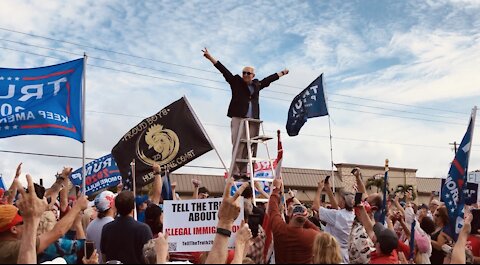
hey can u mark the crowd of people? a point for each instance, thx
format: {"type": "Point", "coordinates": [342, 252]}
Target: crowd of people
{"type": "Point", "coordinates": [57, 227]}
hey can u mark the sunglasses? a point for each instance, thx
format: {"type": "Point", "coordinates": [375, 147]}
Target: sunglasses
{"type": "Point", "coordinates": [247, 73]}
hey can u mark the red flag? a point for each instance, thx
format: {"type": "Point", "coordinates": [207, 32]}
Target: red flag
{"type": "Point", "coordinates": [268, 249]}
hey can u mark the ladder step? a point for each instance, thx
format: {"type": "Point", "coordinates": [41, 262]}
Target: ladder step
{"type": "Point", "coordinates": [263, 138]}
{"type": "Point", "coordinates": [253, 120]}
{"type": "Point", "coordinates": [241, 160]}
{"type": "Point", "coordinates": [261, 179]}
{"type": "Point", "coordinates": [251, 141]}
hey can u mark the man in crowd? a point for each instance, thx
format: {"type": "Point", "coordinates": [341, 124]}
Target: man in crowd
{"type": "Point", "coordinates": [244, 104]}
{"type": "Point", "coordinates": [104, 203]}
{"type": "Point", "coordinates": [340, 218]}
{"type": "Point", "coordinates": [293, 241]}
{"type": "Point", "coordinates": [123, 238]}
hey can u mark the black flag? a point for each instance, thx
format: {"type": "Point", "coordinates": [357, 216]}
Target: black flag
{"type": "Point", "coordinates": [171, 138]}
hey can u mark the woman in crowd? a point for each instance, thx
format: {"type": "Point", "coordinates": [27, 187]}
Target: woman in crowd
{"type": "Point", "coordinates": [326, 250]}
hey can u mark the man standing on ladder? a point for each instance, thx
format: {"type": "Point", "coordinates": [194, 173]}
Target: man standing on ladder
{"type": "Point", "coordinates": [244, 104]}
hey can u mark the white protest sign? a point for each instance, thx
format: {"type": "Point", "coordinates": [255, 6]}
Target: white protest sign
{"type": "Point", "coordinates": [474, 177]}
{"type": "Point", "coordinates": [191, 225]}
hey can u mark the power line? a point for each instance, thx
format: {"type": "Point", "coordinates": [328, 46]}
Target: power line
{"type": "Point", "coordinates": [79, 157]}
{"type": "Point", "coordinates": [106, 50]}
{"type": "Point", "coordinates": [117, 62]}
{"type": "Point", "coordinates": [225, 90]}
{"type": "Point", "coordinates": [274, 131]}
{"type": "Point", "coordinates": [396, 103]}
{"type": "Point", "coordinates": [404, 111]}
{"type": "Point", "coordinates": [203, 70]}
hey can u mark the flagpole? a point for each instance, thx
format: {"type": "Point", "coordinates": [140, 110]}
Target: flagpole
{"type": "Point", "coordinates": [330, 131]}
{"type": "Point", "coordinates": [84, 188]}
{"type": "Point", "coordinates": [134, 188]}
{"type": "Point", "coordinates": [205, 133]}
{"type": "Point", "coordinates": [474, 115]}
{"type": "Point", "coordinates": [331, 153]}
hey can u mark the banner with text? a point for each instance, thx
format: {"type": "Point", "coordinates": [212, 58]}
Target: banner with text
{"type": "Point", "coordinates": [470, 192]}
{"type": "Point", "coordinates": [191, 224]}
{"type": "Point", "coordinates": [42, 101]}
{"type": "Point", "coordinates": [171, 138]}
{"type": "Point", "coordinates": [101, 173]}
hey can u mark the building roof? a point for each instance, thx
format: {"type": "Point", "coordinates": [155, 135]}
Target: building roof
{"type": "Point", "coordinates": [375, 167]}
{"type": "Point", "coordinates": [293, 177]}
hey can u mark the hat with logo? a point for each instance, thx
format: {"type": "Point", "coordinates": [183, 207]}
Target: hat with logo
{"type": "Point", "coordinates": [9, 217]}
{"type": "Point", "coordinates": [299, 210]}
{"type": "Point", "coordinates": [104, 201]}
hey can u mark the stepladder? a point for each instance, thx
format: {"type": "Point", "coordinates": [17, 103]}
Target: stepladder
{"type": "Point", "coordinates": [246, 166]}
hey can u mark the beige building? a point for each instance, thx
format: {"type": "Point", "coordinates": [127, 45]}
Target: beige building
{"type": "Point", "coordinates": [305, 181]}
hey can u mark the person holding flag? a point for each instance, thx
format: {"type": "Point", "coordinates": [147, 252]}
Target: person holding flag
{"type": "Point", "coordinates": [456, 183]}
{"type": "Point", "coordinates": [244, 103]}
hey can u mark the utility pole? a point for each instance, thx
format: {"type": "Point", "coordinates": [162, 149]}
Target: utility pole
{"type": "Point", "coordinates": [454, 146]}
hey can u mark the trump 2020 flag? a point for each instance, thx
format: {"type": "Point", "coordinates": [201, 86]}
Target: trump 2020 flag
{"type": "Point", "coordinates": [101, 173]}
{"type": "Point", "coordinates": [171, 138]}
{"type": "Point", "coordinates": [453, 192]}
{"type": "Point", "coordinates": [308, 104]}
{"type": "Point", "coordinates": [42, 101]}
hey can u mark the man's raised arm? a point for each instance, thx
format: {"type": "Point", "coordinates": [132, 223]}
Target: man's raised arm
{"type": "Point", "coordinates": [207, 55]}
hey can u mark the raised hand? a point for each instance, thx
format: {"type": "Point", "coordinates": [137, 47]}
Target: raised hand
{"type": "Point", "coordinates": [321, 185]}
{"type": "Point", "coordinates": [244, 234]}
{"type": "Point", "coordinates": [207, 55]}
{"type": "Point", "coordinates": [230, 208]}
{"type": "Point", "coordinates": [161, 248]}
{"type": "Point", "coordinates": [92, 260]}
{"type": "Point", "coordinates": [156, 168]}
{"type": "Point", "coordinates": [196, 183]}
{"type": "Point", "coordinates": [19, 170]}
{"type": "Point", "coordinates": [30, 205]}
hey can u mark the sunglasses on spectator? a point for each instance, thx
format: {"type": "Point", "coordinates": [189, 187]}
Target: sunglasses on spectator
{"type": "Point", "coordinates": [247, 73]}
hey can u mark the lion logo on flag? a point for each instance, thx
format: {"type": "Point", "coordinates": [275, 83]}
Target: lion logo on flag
{"type": "Point", "coordinates": [160, 145]}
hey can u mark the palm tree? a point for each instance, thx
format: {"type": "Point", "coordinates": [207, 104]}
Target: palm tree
{"type": "Point", "coordinates": [405, 188]}
{"type": "Point", "coordinates": [376, 181]}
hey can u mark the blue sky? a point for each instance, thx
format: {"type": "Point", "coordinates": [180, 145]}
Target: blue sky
{"type": "Point", "coordinates": [415, 59]}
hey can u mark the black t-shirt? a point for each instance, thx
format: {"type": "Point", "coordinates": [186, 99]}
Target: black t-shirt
{"type": "Point", "coordinates": [123, 240]}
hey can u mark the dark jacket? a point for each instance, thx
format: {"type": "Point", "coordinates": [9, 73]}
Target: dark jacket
{"type": "Point", "coordinates": [241, 94]}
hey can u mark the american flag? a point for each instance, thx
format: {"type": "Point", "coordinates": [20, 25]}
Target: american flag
{"type": "Point", "coordinates": [453, 192]}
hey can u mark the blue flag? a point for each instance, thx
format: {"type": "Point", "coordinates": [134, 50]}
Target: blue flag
{"type": "Point", "coordinates": [167, 188]}
{"type": "Point", "coordinates": [309, 103]}
{"type": "Point", "coordinates": [42, 101]}
{"type": "Point", "coordinates": [453, 192]}
{"type": "Point", "coordinates": [2, 185]}
{"type": "Point", "coordinates": [101, 173]}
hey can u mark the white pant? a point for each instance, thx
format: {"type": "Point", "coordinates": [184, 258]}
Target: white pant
{"type": "Point", "coordinates": [242, 152]}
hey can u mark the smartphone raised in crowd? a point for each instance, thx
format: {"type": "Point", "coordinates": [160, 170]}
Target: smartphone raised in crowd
{"type": "Point", "coordinates": [39, 190]}
{"type": "Point", "coordinates": [327, 179]}
{"type": "Point", "coordinates": [89, 248]}
{"type": "Point", "coordinates": [358, 198]}
{"type": "Point", "coordinates": [475, 222]}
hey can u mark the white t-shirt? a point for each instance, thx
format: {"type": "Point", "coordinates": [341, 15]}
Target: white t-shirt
{"type": "Point", "coordinates": [94, 233]}
{"type": "Point", "coordinates": [339, 225]}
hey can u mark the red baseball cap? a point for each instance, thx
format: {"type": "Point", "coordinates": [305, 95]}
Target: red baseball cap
{"type": "Point", "coordinates": [9, 217]}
